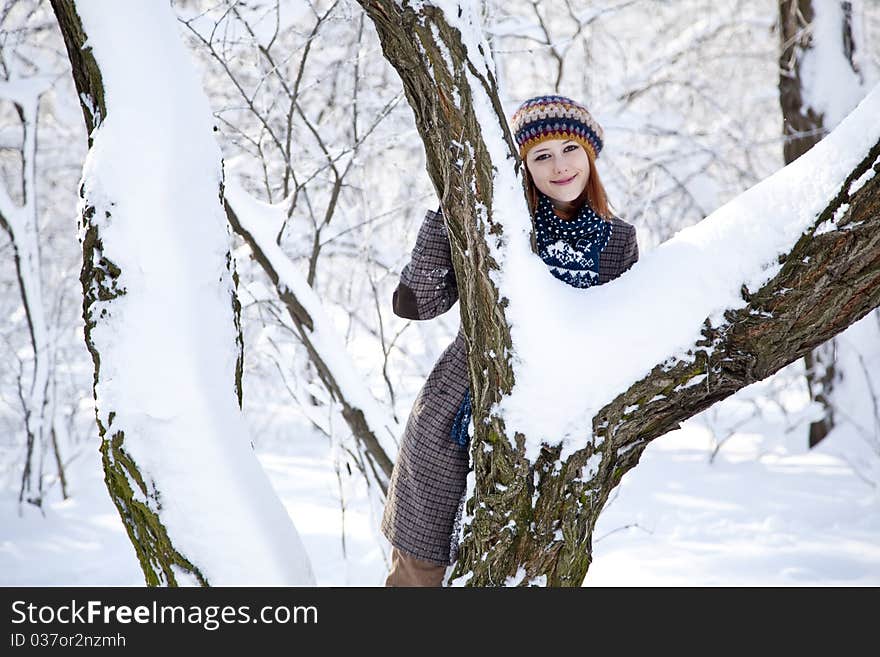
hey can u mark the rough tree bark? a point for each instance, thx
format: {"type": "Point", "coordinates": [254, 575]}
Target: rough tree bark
{"type": "Point", "coordinates": [536, 528]}
{"type": "Point", "coordinates": [802, 127]}
{"type": "Point", "coordinates": [800, 131]}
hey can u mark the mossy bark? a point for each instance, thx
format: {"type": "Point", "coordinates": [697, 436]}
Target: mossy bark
{"type": "Point", "coordinates": [532, 523]}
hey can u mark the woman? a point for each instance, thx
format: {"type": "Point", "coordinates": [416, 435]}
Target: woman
{"type": "Point", "coordinates": [581, 242]}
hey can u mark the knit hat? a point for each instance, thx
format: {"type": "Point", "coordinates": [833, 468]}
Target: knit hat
{"type": "Point", "coordinates": [555, 117]}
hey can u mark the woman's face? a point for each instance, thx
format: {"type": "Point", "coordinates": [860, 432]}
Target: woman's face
{"type": "Point", "coordinates": [560, 168]}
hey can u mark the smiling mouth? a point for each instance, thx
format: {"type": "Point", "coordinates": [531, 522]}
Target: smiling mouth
{"type": "Point", "coordinates": [564, 181]}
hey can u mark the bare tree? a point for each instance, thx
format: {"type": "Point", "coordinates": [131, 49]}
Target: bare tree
{"type": "Point", "coordinates": [36, 378]}
{"type": "Point", "coordinates": [803, 125]}
{"type": "Point", "coordinates": [370, 428]}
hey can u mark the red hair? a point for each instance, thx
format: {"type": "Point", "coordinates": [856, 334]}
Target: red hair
{"type": "Point", "coordinates": [594, 192]}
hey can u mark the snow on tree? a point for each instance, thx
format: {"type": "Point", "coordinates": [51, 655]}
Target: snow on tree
{"type": "Point", "coordinates": [161, 312]}
{"type": "Point", "coordinates": [820, 82]}
{"type": "Point", "coordinates": [695, 320]}
{"type": "Point", "coordinates": [691, 120]}
{"type": "Point", "coordinates": [257, 223]}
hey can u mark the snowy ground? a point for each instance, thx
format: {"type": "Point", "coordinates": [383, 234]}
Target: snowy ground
{"type": "Point", "coordinates": [766, 511]}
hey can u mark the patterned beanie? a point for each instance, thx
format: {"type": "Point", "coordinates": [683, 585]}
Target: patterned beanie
{"type": "Point", "coordinates": [555, 117]}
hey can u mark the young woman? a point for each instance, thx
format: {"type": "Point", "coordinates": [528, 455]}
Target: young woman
{"type": "Point", "coordinates": [582, 243]}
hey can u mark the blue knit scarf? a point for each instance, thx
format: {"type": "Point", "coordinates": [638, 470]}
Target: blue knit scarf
{"type": "Point", "coordinates": [571, 248]}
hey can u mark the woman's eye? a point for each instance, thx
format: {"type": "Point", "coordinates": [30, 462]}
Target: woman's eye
{"type": "Point", "coordinates": [567, 149]}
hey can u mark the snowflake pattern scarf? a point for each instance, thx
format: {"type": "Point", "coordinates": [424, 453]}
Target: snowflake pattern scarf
{"type": "Point", "coordinates": [571, 249]}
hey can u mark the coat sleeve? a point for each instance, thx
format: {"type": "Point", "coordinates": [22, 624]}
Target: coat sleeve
{"type": "Point", "coordinates": [631, 250]}
{"type": "Point", "coordinates": [427, 285]}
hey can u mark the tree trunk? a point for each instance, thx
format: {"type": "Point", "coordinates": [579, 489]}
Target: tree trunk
{"type": "Point", "coordinates": [531, 523]}
{"type": "Point", "coordinates": [800, 130]}
{"type": "Point", "coordinates": [155, 550]}
{"type": "Point", "coordinates": [803, 127]}
{"type": "Point", "coordinates": [177, 461]}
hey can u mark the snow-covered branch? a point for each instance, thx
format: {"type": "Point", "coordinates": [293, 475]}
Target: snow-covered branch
{"type": "Point", "coordinates": [375, 431]}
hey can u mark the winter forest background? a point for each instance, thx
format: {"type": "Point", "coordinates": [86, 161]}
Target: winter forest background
{"type": "Point", "coordinates": [313, 124]}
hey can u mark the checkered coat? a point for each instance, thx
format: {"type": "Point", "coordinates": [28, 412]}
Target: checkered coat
{"type": "Point", "coordinates": [426, 493]}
